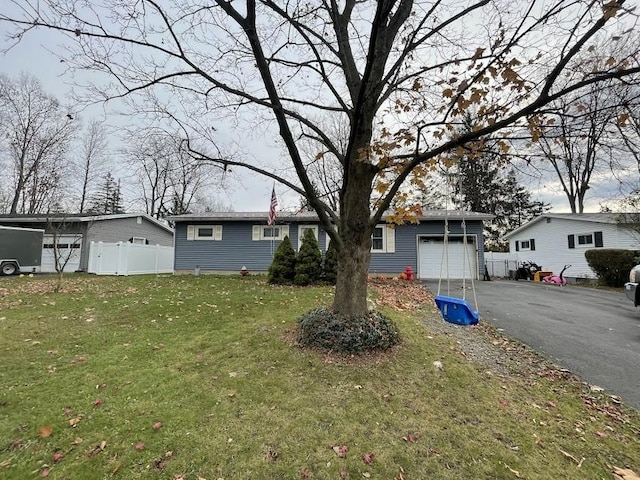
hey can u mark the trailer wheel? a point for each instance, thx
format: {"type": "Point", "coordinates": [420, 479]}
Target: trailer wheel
{"type": "Point", "coordinates": [9, 268]}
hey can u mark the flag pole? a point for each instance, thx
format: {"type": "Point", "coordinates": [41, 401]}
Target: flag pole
{"type": "Point", "coordinates": [271, 219]}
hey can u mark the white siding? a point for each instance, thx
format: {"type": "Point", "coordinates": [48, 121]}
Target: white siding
{"type": "Point", "coordinates": [552, 250]}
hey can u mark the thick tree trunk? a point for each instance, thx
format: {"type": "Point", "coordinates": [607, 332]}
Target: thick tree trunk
{"type": "Point", "coordinates": [351, 283]}
{"type": "Point", "coordinates": [355, 231]}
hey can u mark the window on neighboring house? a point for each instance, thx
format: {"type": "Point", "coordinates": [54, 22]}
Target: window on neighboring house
{"type": "Point", "coordinates": [525, 245]}
{"type": "Point", "coordinates": [383, 239]}
{"type": "Point", "coordinates": [266, 232]}
{"type": "Point", "coordinates": [585, 240]}
{"type": "Point", "coordinates": [203, 232]}
{"type": "Point", "coordinates": [139, 240]}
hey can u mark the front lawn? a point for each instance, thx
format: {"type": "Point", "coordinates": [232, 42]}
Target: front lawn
{"type": "Point", "coordinates": [199, 378]}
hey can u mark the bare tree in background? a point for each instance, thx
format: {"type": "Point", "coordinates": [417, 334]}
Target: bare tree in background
{"type": "Point", "coordinates": [394, 71]}
{"type": "Point", "coordinates": [91, 163]}
{"type": "Point", "coordinates": [168, 176]}
{"type": "Point", "coordinates": [37, 132]}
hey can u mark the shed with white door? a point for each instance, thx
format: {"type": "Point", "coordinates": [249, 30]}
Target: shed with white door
{"type": "Point", "coordinates": [68, 236]}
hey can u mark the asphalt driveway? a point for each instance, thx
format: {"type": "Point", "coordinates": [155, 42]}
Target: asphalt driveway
{"type": "Point", "coordinates": [592, 333]}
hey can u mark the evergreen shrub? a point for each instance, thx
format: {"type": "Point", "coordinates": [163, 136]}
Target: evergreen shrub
{"type": "Point", "coordinates": [308, 267]}
{"type": "Point", "coordinates": [322, 328]}
{"type": "Point", "coordinates": [282, 268]}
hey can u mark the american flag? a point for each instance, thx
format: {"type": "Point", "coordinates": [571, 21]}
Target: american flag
{"type": "Point", "coordinates": [272, 208]}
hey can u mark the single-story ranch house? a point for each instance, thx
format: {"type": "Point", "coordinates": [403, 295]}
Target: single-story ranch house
{"type": "Point", "coordinates": [553, 240]}
{"type": "Point", "coordinates": [224, 242]}
{"type": "Point", "coordinates": [77, 231]}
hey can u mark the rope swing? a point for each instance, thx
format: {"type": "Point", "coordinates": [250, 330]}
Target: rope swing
{"type": "Point", "coordinates": [456, 310]}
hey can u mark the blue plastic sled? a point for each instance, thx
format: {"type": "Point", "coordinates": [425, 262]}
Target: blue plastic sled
{"type": "Point", "coordinates": [456, 310]}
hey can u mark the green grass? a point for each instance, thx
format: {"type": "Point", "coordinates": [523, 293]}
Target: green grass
{"type": "Point", "coordinates": [211, 359]}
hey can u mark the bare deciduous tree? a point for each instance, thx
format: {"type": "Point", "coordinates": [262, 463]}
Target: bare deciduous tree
{"type": "Point", "coordinates": [37, 132]}
{"type": "Point", "coordinates": [167, 174]}
{"type": "Point", "coordinates": [91, 162]}
{"type": "Point", "coordinates": [392, 70]}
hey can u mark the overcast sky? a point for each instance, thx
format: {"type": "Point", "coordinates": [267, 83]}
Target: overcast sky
{"type": "Point", "coordinates": [243, 191]}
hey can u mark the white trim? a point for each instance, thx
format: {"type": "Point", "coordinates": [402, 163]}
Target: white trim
{"type": "Point", "coordinates": [258, 232]}
{"type": "Point", "coordinates": [388, 239]}
{"type": "Point", "coordinates": [216, 232]}
{"type": "Point", "coordinates": [592, 244]}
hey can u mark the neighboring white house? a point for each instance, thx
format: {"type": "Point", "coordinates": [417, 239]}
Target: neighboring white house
{"type": "Point", "coordinates": [553, 240]}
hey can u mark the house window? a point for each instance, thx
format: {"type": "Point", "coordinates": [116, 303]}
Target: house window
{"type": "Point", "coordinates": [525, 245]}
{"type": "Point", "coordinates": [139, 240]}
{"type": "Point", "coordinates": [204, 232]}
{"type": "Point", "coordinates": [266, 232]}
{"type": "Point", "coordinates": [377, 240]}
{"type": "Point", "coordinates": [383, 239]}
{"type": "Point", "coordinates": [585, 240]}
{"type": "Point", "coordinates": [302, 230]}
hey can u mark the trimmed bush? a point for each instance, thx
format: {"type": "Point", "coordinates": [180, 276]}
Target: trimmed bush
{"type": "Point", "coordinates": [327, 330]}
{"type": "Point", "coordinates": [308, 261]}
{"type": "Point", "coordinates": [612, 266]}
{"type": "Point", "coordinates": [282, 268]}
{"type": "Point", "coordinates": [331, 264]}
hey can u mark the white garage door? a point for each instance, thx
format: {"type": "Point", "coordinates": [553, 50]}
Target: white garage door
{"type": "Point", "coordinates": [68, 251]}
{"type": "Point", "coordinates": [432, 259]}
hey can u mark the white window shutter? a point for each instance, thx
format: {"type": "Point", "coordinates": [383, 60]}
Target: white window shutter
{"type": "Point", "coordinates": [218, 233]}
{"type": "Point", "coordinates": [255, 235]}
{"type": "Point", "coordinates": [191, 232]}
{"type": "Point", "coordinates": [285, 230]}
{"type": "Point", "coordinates": [390, 237]}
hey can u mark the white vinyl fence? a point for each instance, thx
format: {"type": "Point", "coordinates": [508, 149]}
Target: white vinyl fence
{"type": "Point", "coordinates": [499, 263]}
{"type": "Point", "coordinates": [125, 258]}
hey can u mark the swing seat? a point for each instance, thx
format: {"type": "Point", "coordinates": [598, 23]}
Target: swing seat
{"type": "Point", "coordinates": [456, 310]}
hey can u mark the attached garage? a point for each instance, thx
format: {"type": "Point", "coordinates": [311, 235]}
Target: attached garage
{"type": "Point", "coordinates": [459, 260]}
{"type": "Point", "coordinates": [68, 250]}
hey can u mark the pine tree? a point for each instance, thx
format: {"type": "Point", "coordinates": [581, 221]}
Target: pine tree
{"type": "Point", "coordinates": [309, 260]}
{"type": "Point", "coordinates": [282, 268]}
{"type": "Point", "coordinates": [487, 187]}
{"type": "Point", "coordinates": [107, 200]}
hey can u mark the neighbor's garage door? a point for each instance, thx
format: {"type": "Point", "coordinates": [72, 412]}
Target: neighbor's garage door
{"type": "Point", "coordinates": [68, 251]}
{"type": "Point", "coordinates": [431, 257]}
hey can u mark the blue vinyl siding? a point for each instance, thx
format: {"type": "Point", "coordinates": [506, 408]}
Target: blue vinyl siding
{"type": "Point", "coordinates": [237, 247]}
{"type": "Point", "coordinates": [234, 250]}
{"type": "Point", "coordinates": [406, 251]}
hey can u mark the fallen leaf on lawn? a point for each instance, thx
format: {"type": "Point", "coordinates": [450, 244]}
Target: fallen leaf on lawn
{"type": "Point", "coordinates": [45, 431]}
{"type": "Point", "coordinates": [68, 411]}
{"type": "Point", "coordinates": [75, 420]}
{"type": "Point", "coordinates": [157, 425]}
{"type": "Point", "coordinates": [58, 456]}
{"type": "Point", "coordinates": [139, 446]}
{"type": "Point", "coordinates": [5, 463]}
{"type": "Point", "coordinates": [368, 458]}
{"type": "Point", "coordinates": [503, 402]}
{"type": "Point", "coordinates": [159, 463]}
{"type": "Point", "coordinates": [410, 438]}
{"type": "Point", "coordinates": [77, 441]}
{"type": "Point", "coordinates": [341, 450]}
{"type": "Point", "coordinates": [515, 472]}
{"type": "Point", "coordinates": [179, 476]}
{"type": "Point", "coordinates": [366, 475]}
{"type": "Point", "coordinates": [97, 449]}
{"type": "Point", "coordinates": [437, 365]}
{"type": "Point", "coordinates": [551, 404]}
{"type": "Point", "coordinates": [602, 434]}
{"type": "Point", "coordinates": [625, 474]}
{"type": "Point", "coordinates": [571, 457]}
{"type": "Point", "coordinates": [44, 473]}
{"type": "Point", "coordinates": [97, 403]}
{"type": "Point", "coordinates": [305, 473]}
{"type": "Point", "coordinates": [343, 474]}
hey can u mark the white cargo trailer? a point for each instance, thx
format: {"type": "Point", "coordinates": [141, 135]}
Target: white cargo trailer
{"type": "Point", "coordinates": [20, 250]}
